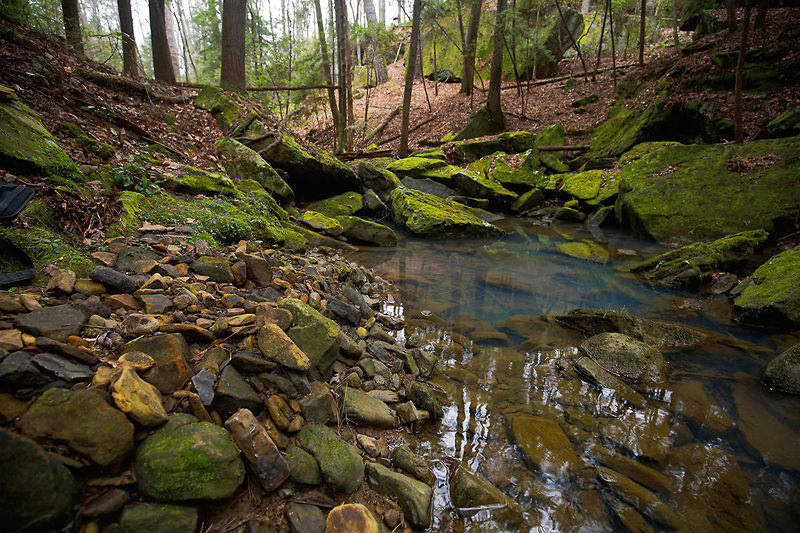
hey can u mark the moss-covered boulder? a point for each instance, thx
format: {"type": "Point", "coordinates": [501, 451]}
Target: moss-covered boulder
{"type": "Point", "coordinates": [341, 205]}
{"type": "Point", "coordinates": [626, 357]}
{"type": "Point", "coordinates": [414, 497]}
{"type": "Point", "coordinates": [479, 185]}
{"type": "Point", "coordinates": [37, 492]}
{"type": "Point", "coordinates": [691, 265]}
{"type": "Point", "coordinates": [414, 166]}
{"type": "Point", "coordinates": [158, 518]}
{"type": "Point", "coordinates": [313, 333]}
{"type": "Point", "coordinates": [784, 125]}
{"type": "Point", "coordinates": [529, 200]}
{"type": "Point", "coordinates": [188, 460]}
{"type": "Point", "coordinates": [426, 215]}
{"type": "Point", "coordinates": [672, 193]}
{"type": "Point", "coordinates": [243, 163]}
{"type": "Point", "coordinates": [27, 147]}
{"type": "Point", "coordinates": [554, 40]}
{"type": "Point", "coordinates": [225, 111]}
{"type": "Point", "coordinates": [771, 296]}
{"type": "Point", "coordinates": [628, 124]}
{"type": "Point", "coordinates": [512, 142]}
{"type": "Point", "coordinates": [517, 173]}
{"type": "Point", "coordinates": [320, 222]}
{"type": "Point", "coordinates": [783, 372]}
{"type": "Point", "coordinates": [311, 172]}
{"type": "Point", "coordinates": [191, 180]}
{"type": "Point", "coordinates": [480, 124]}
{"type": "Point", "coordinates": [552, 135]}
{"type": "Point", "coordinates": [102, 150]}
{"type": "Point", "coordinates": [339, 462]}
{"type": "Point", "coordinates": [366, 231]}
{"type": "Point", "coordinates": [591, 187]}
{"type": "Point", "coordinates": [380, 180]}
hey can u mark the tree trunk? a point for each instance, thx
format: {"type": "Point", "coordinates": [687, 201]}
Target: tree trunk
{"type": "Point", "coordinates": [382, 11]}
{"type": "Point", "coordinates": [410, 68]}
{"type": "Point", "coordinates": [730, 7]}
{"type": "Point", "coordinates": [326, 67]}
{"type": "Point", "coordinates": [342, 77]}
{"type": "Point", "coordinates": [162, 64]}
{"type": "Point", "coordinates": [675, 24]}
{"type": "Point", "coordinates": [130, 56]}
{"type": "Point", "coordinates": [737, 91]}
{"type": "Point", "coordinates": [172, 40]}
{"type": "Point", "coordinates": [641, 33]}
{"type": "Point", "coordinates": [468, 66]}
{"type": "Point", "coordinates": [234, 20]}
{"type": "Point", "coordinates": [586, 6]}
{"type": "Point", "coordinates": [72, 25]}
{"type": "Point", "coordinates": [381, 75]}
{"type": "Point", "coordinates": [761, 17]}
{"type": "Point", "coordinates": [496, 74]}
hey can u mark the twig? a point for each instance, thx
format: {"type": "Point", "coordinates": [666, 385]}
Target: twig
{"type": "Point", "coordinates": [395, 137]}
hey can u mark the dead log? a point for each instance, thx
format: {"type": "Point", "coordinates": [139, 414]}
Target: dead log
{"type": "Point", "coordinates": [351, 156]}
{"type": "Point", "coordinates": [130, 85]}
{"type": "Point", "coordinates": [379, 129]}
{"type": "Point", "coordinates": [395, 137]}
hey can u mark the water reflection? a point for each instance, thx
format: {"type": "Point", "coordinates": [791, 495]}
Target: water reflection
{"type": "Point", "coordinates": [709, 445]}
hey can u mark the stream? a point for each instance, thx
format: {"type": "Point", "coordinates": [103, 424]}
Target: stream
{"type": "Point", "coordinates": [721, 451]}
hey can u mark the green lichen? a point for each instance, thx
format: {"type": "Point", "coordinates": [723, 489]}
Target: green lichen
{"type": "Point", "coordinates": [483, 186]}
{"type": "Point", "coordinates": [508, 142]}
{"type": "Point", "coordinates": [103, 151]}
{"type": "Point", "coordinates": [321, 222]}
{"type": "Point", "coordinates": [345, 204]}
{"type": "Point", "coordinates": [414, 166]}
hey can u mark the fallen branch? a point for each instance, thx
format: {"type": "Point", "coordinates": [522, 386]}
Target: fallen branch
{"type": "Point", "coordinates": [395, 137]}
{"type": "Point", "coordinates": [248, 141]}
{"type": "Point", "coordinates": [266, 87]}
{"type": "Point", "coordinates": [350, 156]}
{"type": "Point", "coordinates": [379, 129]}
{"type": "Point", "coordinates": [131, 85]}
{"type": "Point", "coordinates": [558, 78]}
{"type": "Point", "coordinates": [573, 148]}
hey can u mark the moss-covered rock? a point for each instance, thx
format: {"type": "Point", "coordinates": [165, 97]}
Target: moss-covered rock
{"type": "Point", "coordinates": [341, 205]}
{"type": "Point", "coordinates": [191, 461]}
{"type": "Point", "coordinates": [367, 231]}
{"type": "Point", "coordinates": [552, 135]}
{"type": "Point", "coordinates": [478, 185]}
{"type": "Point", "coordinates": [626, 357]}
{"type": "Point", "coordinates": [380, 180]}
{"type": "Point", "coordinates": [192, 181]}
{"type": "Point", "coordinates": [508, 142]}
{"type": "Point", "coordinates": [529, 200]}
{"type": "Point", "coordinates": [516, 173]}
{"type": "Point", "coordinates": [101, 150]}
{"type": "Point", "coordinates": [414, 166]}
{"type": "Point", "coordinates": [224, 110]}
{"type": "Point", "coordinates": [629, 125]}
{"type": "Point", "coordinates": [691, 265]}
{"type": "Point", "coordinates": [426, 215]}
{"type": "Point", "coordinates": [414, 497]}
{"type": "Point", "coordinates": [674, 193]}
{"type": "Point", "coordinates": [784, 125]}
{"type": "Point", "coordinates": [339, 462]}
{"type": "Point", "coordinates": [26, 146]}
{"type": "Point", "coordinates": [771, 296]}
{"type": "Point", "coordinates": [243, 163]}
{"type": "Point", "coordinates": [313, 333]}
{"type": "Point", "coordinates": [480, 124]}
{"type": "Point", "coordinates": [158, 518]}
{"type": "Point", "coordinates": [320, 222]}
{"type": "Point", "coordinates": [783, 372]}
{"type": "Point", "coordinates": [553, 41]}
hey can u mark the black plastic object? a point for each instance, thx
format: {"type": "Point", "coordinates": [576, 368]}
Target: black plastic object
{"type": "Point", "coordinates": [13, 199]}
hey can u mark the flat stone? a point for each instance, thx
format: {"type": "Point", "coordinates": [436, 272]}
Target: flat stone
{"type": "Point", "coordinates": [170, 353]}
{"type": "Point", "coordinates": [596, 374]}
{"type": "Point", "coordinates": [638, 497]}
{"type": "Point", "coordinates": [88, 287]}
{"type": "Point", "coordinates": [258, 269]}
{"type": "Point", "coordinates": [344, 311]}
{"type": "Point", "coordinates": [339, 462]}
{"type": "Point", "coordinates": [11, 340]}
{"type": "Point", "coordinates": [136, 325]}
{"type": "Point", "coordinates": [544, 445]}
{"type": "Point", "coordinates": [156, 304]}
{"type": "Point", "coordinates": [158, 518]}
{"type": "Point", "coordinates": [276, 345]}
{"type": "Point", "coordinates": [261, 453]}
{"type": "Point", "coordinates": [57, 322]}
{"type": "Point", "coordinates": [203, 383]}
{"type": "Point", "coordinates": [137, 398]}
{"type": "Point", "coordinates": [122, 301]}
{"type": "Point", "coordinates": [413, 496]}
{"type": "Point", "coordinates": [106, 503]}
{"type": "Point", "coordinates": [406, 460]}
{"type": "Point", "coordinates": [468, 490]}
{"type": "Point", "coordinates": [191, 332]}
{"type": "Point", "coordinates": [18, 370]}
{"type": "Point", "coordinates": [216, 269]}
{"type": "Point", "coordinates": [107, 259]}
{"type": "Point", "coordinates": [113, 280]}
{"type": "Point", "coordinates": [626, 357]}
{"type": "Point", "coordinates": [73, 352]}
{"type": "Point", "coordinates": [234, 393]}
{"type": "Point", "coordinates": [362, 408]}
{"type": "Point", "coordinates": [644, 433]}
{"type": "Point", "coordinates": [251, 363]}
{"type": "Point", "coordinates": [84, 420]}
{"type": "Point", "coordinates": [130, 254]}
{"type": "Point", "coordinates": [63, 368]}
{"type": "Point", "coordinates": [642, 474]}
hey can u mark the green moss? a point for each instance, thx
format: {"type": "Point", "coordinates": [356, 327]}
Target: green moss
{"type": "Point", "coordinates": [628, 125]}
{"type": "Point", "coordinates": [552, 135]}
{"type": "Point", "coordinates": [482, 186]}
{"type": "Point", "coordinates": [515, 174]}
{"type": "Point", "coordinates": [191, 180]}
{"type": "Point", "coordinates": [414, 166]}
{"type": "Point", "coordinates": [480, 124]}
{"type": "Point", "coordinates": [26, 146]}
{"type": "Point", "coordinates": [243, 163]}
{"type": "Point", "coordinates": [321, 222]}
{"type": "Point", "coordinates": [430, 216]}
{"type": "Point", "coordinates": [344, 204]}
{"type": "Point", "coordinates": [225, 110]}
{"type": "Point", "coordinates": [772, 293]}
{"type": "Point", "coordinates": [103, 151]}
{"type": "Point", "coordinates": [508, 142]}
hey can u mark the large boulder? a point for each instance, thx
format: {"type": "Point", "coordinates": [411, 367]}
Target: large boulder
{"type": "Point", "coordinates": [771, 296]}
{"type": "Point", "coordinates": [482, 123]}
{"type": "Point", "coordinates": [626, 357]}
{"type": "Point", "coordinates": [194, 181]}
{"type": "Point", "coordinates": [27, 147]}
{"type": "Point", "coordinates": [188, 460]}
{"type": "Point", "coordinates": [339, 462]}
{"type": "Point", "coordinates": [691, 265]}
{"type": "Point", "coordinates": [224, 110]}
{"type": "Point", "coordinates": [314, 334]}
{"type": "Point", "coordinates": [674, 193]}
{"type": "Point", "coordinates": [783, 372]}
{"type": "Point", "coordinates": [426, 215]}
{"type": "Point", "coordinates": [341, 205]}
{"type": "Point", "coordinates": [243, 163]}
{"type": "Point", "coordinates": [367, 231]}
{"type": "Point", "coordinates": [478, 185]}
{"type": "Point", "coordinates": [380, 180]}
{"type": "Point", "coordinates": [413, 496]}
{"type": "Point", "coordinates": [85, 421]}
{"type": "Point", "coordinates": [508, 142]}
{"type": "Point", "coordinates": [37, 492]}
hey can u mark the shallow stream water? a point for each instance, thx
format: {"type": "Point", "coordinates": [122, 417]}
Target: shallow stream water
{"type": "Point", "coordinates": [490, 295]}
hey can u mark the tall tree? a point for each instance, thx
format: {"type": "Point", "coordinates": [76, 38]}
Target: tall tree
{"type": "Point", "coordinates": [496, 74]}
{"type": "Point", "coordinates": [72, 24]}
{"type": "Point", "coordinates": [730, 8]}
{"type": "Point", "coordinates": [343, 77]}
{"type": "Point", "coordinates": [641, 33]}
{"type": "Point", "coordinates": [411, 64]}
{"type": "Point", "coordinates": [130, 56]}
{"type": "Point", "coordinates": [471, 39]}
{"type": "Point", "coordinates": [381, 75]}
{"type": "Point", "coordinates": [172, 39]}
{"type": "Point", "coordinates": [162, 62]}
{"type": "Point", "coordinates": [234, 22]}
{"type": "Point", "coordinates": [761, 17]}
{"type": "Point", "coordinates": [737, 91]}
{"type": "Point", "coordinates": [326, 65]}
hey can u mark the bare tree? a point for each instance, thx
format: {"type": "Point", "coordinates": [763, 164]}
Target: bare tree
{"type": "Point", "coordinates": [381, 75]}
{"type": "Point", "coordinates": [416, 17]}
{"type": "Point", "coordinates": [343, 77]}
{"type": "Point", "coordinates": [172, 39]}
{"type": "Point", "coordinates": [234, 21]}
{"type": "Point", "coordinates": [468, 65]}
{"type": "Point", "coordinates": [326, 65]}
{"type": "Point", "coordinates": [130, 55]}
{"type": "Point", "coordinates": [496, 75]}
{"type": "Point", "coordinates": [761, 17]}
{"type": "Point", "coordinates": [641, 33]}
{"type": "Point", "coordinates": [737, 91]}
{"type": "Point", "coordinates": [162, 64]}
{"type": "Point", "coordinates": [730, 8]}
{"type": "Point", "coordinates": [72, 24]}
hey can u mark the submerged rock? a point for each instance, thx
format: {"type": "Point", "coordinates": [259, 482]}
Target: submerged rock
{"type": "Point", "coordinates": [697, 263]}
{"type": "Point", "coordinates": [771, 296]}
{"type": "Point", "coordinates": [625, 356]}
{"type": "Point", "coordinates": [596, 374]}
{"type": "Point", "coordinates": [470, 491]}
{"type": "Point", "coordinates": [426, 215]}
{"type": "Point", "coordinates": [783, 372]}
{"type": "Point", "coordinates": [691, 401]}
{"type": "Point", "coordinates": [544, 445]}
{"type": "Point", "coordinates": [638, 497]}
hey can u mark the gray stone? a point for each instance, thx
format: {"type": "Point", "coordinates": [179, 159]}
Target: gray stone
{"type": "Point", "coordinates": [251, 363]}
{"type": "Point", "coordinates": [57, 322]}
{"type": "Point", "coordinates": [303, 468]}
{"type": "Point", "coordinates": [35, 488]}
{"type": "Point", "coordinates": [216, 269]}
{"type": "Point", "coordinates": [626, 357]}
{"type": "Point", "coordinates": [113, 280]}
{"type": "Point", "coordinates": [305, 518]}
{"type": "Point", "coordinates": [344, 310]}
{"type": "Point", "coordinates": [63, 368]}
{"type": "Point", "coordinates": [234, 393]}
{"type": "Point", "coordinates": [130, 254]}
{"type": "Point", "coordinates": [783, 372]}
{"type": "Point", "coordinates": [339, 462]}
{"type": "Point", "coordinates": [423, 397]}
{"type": "Point", "coordinates": [406, 460]}
{"type": "Point", "coordinates": [413, 496]}
{"type": "Point", "coordinates": [203, 383]}
{"type": "Point", "coordinates": [357, 299]}
{"type": "Point", "coordinates": [596, 374]}
{"type": "Point", "coordinates": [19, 370]}
{"type": "Point", "coordinates": [258, 269]}
{"type": "Point", "coordinates": [319, 405]}
{"type": "Point", "coordinates": [261, 453]}
{"type": "Point", "coordinates": [362, 408]}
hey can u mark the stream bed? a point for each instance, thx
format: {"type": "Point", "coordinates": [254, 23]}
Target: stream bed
{"type": "Point", "coordinates": [714, 448]}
